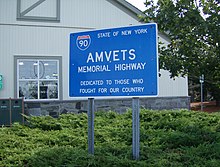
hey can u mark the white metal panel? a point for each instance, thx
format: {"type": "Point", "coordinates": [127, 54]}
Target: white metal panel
{"type": "Point", "coordinates": [27, 38]}
{"type": "Point", "coordinates": [8, 9]}
{"type": "Point", "coordinates": [45, 9]}
{"type": "Point", "coordinates": [27, 3]}
{"type": "Point", "coordinates": [177, 86]}
{"type": "Point", "coordinates": [30, 41]}
{"type": "Point", "coordinates": [74, 13]}
{"type": "Point", "coordinates": [95, 13]}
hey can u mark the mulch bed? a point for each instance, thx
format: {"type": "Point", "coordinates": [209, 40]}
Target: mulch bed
{"type": "Point", "coordinates": [209, 106]}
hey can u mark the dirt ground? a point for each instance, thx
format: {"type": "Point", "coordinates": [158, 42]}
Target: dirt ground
{"type": "Point", "coordinates": [207, 106]}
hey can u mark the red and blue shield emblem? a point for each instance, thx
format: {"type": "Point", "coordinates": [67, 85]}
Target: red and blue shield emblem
{"type": "Point", "coordinates": [83, 42]}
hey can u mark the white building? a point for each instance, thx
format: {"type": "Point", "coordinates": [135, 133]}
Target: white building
{"type": "Point", "coordinates": [34, 47]}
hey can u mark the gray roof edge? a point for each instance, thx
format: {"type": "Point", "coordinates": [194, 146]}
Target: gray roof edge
{"type": "Point", "coordinates": [138, 12]}
{"type": "Point", "coordinates": [131, 7]}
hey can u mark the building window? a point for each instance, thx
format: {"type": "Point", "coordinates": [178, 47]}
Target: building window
{"type": "Point", "coordinates": [38, 79]}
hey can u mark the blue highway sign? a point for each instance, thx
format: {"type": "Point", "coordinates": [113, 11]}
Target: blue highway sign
{"type": "Point", "coordinates": [114, 62]}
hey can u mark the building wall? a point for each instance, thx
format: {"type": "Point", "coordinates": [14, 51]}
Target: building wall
{"type": "Point", "coordinates": [80, 14]}
{"type": "Point", "coordinates": [48, 38]}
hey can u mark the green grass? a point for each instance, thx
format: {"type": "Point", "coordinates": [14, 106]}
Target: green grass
{"type": "Point", "coordinates": [167, 138]}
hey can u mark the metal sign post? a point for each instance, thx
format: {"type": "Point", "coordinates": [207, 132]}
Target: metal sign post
{"type": "Point", "coordinates": [1, 82]}
{"type": "Point", "coordinates": [101, 64]}
{"type": "Point", "coordinates": [201, 80]}
{"type": "Point", "coordinates": [91, 116]}
{"type": "Point", "coordinates": [135, 128]}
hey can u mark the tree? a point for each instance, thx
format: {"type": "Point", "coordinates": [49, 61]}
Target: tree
{"type": "Point", "coordinates": [194, 30]}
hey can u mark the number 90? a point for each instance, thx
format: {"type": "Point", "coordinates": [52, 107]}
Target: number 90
{"type": "Point", "coordinates": [83, 43]}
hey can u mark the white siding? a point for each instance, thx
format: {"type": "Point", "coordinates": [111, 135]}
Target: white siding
{"type": "Point", "coordinates": [172, 87]}
{"type": "Point", "coordinates": [34, 38]}
{"type": "Point", "coordinates": [177, 86]}
{"type": "Point", "coordinates": [74, 13]}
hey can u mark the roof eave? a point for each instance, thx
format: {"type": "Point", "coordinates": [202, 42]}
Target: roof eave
{"type": "Point", "coordinates": [138, 13]}
{"type": "Point", "coordinates": [131, 8]}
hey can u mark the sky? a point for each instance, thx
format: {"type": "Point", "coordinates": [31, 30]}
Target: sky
{"type": "Point", "coordinates": [138, 3]}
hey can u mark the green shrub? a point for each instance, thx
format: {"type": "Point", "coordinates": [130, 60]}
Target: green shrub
{"type": "Point", "coordinates": [167, 138]}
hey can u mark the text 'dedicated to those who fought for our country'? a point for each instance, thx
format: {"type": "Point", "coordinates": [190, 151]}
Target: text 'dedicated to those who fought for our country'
{"type": "Point", "coordinates": [114, 62]}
